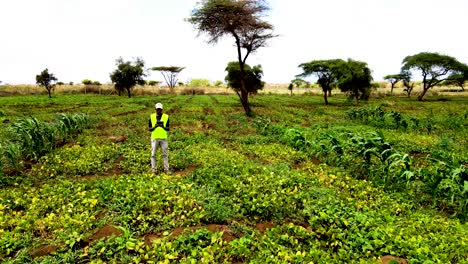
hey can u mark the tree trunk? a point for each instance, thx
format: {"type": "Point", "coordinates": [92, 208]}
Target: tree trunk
{"type": "Point", "coordinates": [426, 87]}
{"type": "Point", "coordinates": [48, 90]}
{"type": "Point", "coordinates": [391, 90]}
{"type": "Point", "coordinates": [329, 93]}
{"type": "Point", "coordinates": [129, 93]}
{"type": "Point", "coordinates": [325, 96]}
{"type": "Point", "coordinates": [420, 97]}
{"type": "Point", "coordinates": [356, 94]}
{"type": "Point", "coordinates": [244, 93]}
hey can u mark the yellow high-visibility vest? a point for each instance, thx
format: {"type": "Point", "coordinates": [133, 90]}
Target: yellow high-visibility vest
{"type": "Point", "coordinates": [159, 132]}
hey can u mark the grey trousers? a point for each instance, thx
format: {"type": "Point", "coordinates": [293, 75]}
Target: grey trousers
{"type": "Point", "coordinates": [155, 144]}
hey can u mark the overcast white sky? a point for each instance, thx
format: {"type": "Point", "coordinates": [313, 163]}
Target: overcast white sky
{"type": "Point", "coordinates": [79, 39]}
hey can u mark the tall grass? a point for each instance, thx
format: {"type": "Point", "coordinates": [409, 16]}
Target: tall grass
{"type": "Point", "coordinates": [30, 138]}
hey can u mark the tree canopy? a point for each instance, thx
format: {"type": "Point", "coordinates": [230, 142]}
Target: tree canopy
{"type": "Point", "coordinates": [128, 74]}
{"type": "Point", "coordinates": [327, 71]}
{"type": "Point", "coordinates": [458, 79]}
{"type": "Point", "coordinates": [355, 78]}
{"type": "Point", "coordinates": [394, 79]}
{"type": "Point", "coordinates": [47, 80]}
{"type": "Point", "coordinates": [241, 19]}
{"type": "Point", "coordinates": [253, 77]}
{"type": "Point", "coordinates": [170, 74]}
{"type": "Point", "coordinates": [434, 67]}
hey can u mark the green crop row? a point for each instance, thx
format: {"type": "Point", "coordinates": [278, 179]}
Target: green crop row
{"type": "Point", "coordinates": [370, 156]}
{"type": "Point", "coordinates": [30, 138]}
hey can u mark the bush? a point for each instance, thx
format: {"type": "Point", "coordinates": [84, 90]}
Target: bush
{"type": "Point", "coordinates": [153, 83]}
{"type": "Point", "coordinates": [199, 83]}
{"type": "Point", "coordinates": [87, 82]}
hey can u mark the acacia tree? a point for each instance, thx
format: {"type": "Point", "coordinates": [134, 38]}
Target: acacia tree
{"type": "Point", "coordinates": [252, 78]}
{"type": "Point", "coordinates": [47, 80]}
{"type": "Point", "coordinates": [354, 77]}
{"type": "Point", "coordinates": [458, 80]}
{"type": "Point", "coordinates": [435, 68]}
{"type": "Point", "coordinates": [327, 72]}
{"type": "Point", "coordinates": [394, 79]}
{"type": "Point", "coordinates": [127, 75]}
{"type": "Point", "coordinates": [170, 74]}
{"type": "Point", "coordinates": [241, 19]}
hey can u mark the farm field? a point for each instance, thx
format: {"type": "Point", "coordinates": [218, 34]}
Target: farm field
{"type": "Point", "coordinates": [299, 182]}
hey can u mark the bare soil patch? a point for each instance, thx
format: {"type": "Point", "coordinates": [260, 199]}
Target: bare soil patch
{"type": "Point", "coordinates": [103, 232]}
{"type": "Point", "coordinates": [388, 259]}
{"type": "Point", "coordinates": [262, 227]}
{"type": "Point", "coordinates": [42, 250]}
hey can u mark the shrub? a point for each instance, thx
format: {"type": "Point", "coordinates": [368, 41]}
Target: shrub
{"type": "Point", "coordinates": [199, 83]}
{"type": "Point", "coordinates": [153, 83]}
{"type": "Point", "coordinates": [87, 82]}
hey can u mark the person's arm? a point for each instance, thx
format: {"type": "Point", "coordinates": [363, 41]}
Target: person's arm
{"type": "Point", "coordinates": [150, 128]}
{"type": "Point", "coordinates": [167, 125]}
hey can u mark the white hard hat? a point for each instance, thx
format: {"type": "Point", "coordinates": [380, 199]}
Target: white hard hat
{"type": "Point", "coordinates": [158, 106]}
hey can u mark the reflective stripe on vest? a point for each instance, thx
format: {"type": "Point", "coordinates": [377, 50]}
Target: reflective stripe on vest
{"type": "Point", "coordinates": [159, 132]}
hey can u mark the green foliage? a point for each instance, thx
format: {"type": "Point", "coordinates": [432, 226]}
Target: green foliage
{"type": "Point", "coordinates": [47, 80]}
{"type": "Point", "coordinates": [87, 82]}
{"type": "Point", "coordinates": [153, 83]}
{"type": "Point", "coordinates": [253, 77]}
{"type": "Point", "coordinates": [169, 73]}
{"type": "Point", "coordinates": [97, 83]}
{"type": "Point", "coordinates": [128, 74]}
{"type": "Point", "coordinates": [395, 78]}
{"type": "Point", "coordinates": [434, 67]}
{"type": "Point", "coordinates": [355, 78]}
{"type": "Point", "coordinates": [30, 138]}
{"type": "Point", "coordinates": [218, 83]}
{"type": "Point", "coordinates": [298, 82]}
{"type": "Point", "coordinates": [199, 83]}
{"type": "Point", "coordinates": [327, 72]}
{"type": "Point", "coordinates": [457, 79]}
{"type": "Point", "coordinates": [241, 20]}
{"type": "Point", "coordinates": [301, 183]}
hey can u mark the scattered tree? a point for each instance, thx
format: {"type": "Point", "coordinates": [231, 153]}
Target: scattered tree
{"type": "Point", "coordinates": [240, 19]}
{"type": "Point", "coordinates": [298, 82]}
{"type": "Point", "coordinates": [97, 83]}
{"type": "Point", "coordinates": [47, 80]}
{"type": "Point", "coordinates": [70, 83]}
{"type": "Point", "coordinates": [60, 83]}
{"type": "Point", "coordinates": [218, 83]}
{"type": "Point", "coordinates": [355, 78]}
{"type": "Point", "coordinates": [87, 82]}
{"type": "Point", "coordinates": [290, 88]}
{"type": "Point", "coordinates": [457, 80]}
{"type": "Point", "coordinates": [127, 75]}
{"type": "Point", "coordinates": [252, 78]}
{"type": "Point", "coordinates": [170, 74]}
{"type": "Point", "coordinates": [435, 68]}
{"type": "Point", "coordinates": [327, 72]}
{"type": "Point", "coordinates": [394, 79]}
{"type": "Point", "coordinates": [407, 83]}
{"type": "Point", "coordinates": [153, 83]}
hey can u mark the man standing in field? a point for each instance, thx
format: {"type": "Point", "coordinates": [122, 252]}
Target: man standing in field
{"type": "Point", "coordinates": [158, 125]}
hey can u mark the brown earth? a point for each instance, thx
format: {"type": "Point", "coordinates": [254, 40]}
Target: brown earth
{"type": "Point", "coordinates": [42, 250]}
{"type": "Point", "coordinates": [387, 260]}
{"type": "Point", "coordinates": [103, 232]}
